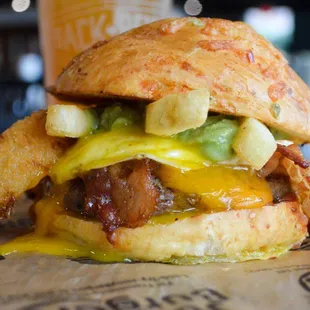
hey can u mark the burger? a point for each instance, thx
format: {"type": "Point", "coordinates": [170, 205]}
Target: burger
{"type": "Point", "coordinates": [177, 143]}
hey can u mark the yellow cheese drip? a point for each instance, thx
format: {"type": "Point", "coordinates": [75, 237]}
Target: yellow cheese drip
{"type": "Point", "coordinates": [51, 238]}
{"type": "Point", "coordinates": [57, 246]}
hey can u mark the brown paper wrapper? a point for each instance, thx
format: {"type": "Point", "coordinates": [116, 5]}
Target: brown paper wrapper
{"type": "Point", "coordinates": [35, 282]}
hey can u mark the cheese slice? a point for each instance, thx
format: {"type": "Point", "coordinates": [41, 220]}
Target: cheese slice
{"type": "Point", "coordinates": [108, 148]}
{"type": "Point", "coordinates": [220, 187]}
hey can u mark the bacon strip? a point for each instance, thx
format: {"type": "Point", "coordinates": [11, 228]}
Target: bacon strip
{"type": "Point", "coordinates": [122, 195]}
{"type": "Point", "coordinates": [293, 153]}
{"type": "Point", "coordinates": [291, 164]}
{"type": "Point", "coordinates": [271, 165]}
{"type": "Point", "coordinates": [300, 182]}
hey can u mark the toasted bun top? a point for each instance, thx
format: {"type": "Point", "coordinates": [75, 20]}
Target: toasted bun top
{"type": "Point", "coordinates": [246, 75]}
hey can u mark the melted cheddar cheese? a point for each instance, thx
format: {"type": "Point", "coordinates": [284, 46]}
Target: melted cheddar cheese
{"type": "Point", "coordinates": [221, 187]}
{"type": "Point", "coordinates": [107, 148]}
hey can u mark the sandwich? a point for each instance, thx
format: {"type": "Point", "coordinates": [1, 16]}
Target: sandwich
{"type": "Point", "coordinates": [177, 142]}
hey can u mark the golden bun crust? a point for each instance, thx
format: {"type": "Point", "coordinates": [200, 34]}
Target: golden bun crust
{"type": "Point", "coordinates": [229, 236]}
{"type": "Point", "coordinates": [246, 75]}
{"type": "Point", "coordinates": [27, 153]}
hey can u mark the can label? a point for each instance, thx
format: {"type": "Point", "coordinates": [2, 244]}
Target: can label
{"type": "Point", "coordinates": [67, 27]}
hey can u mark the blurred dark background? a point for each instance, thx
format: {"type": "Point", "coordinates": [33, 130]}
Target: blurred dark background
{"type": "Point", "coordinates": [285, 23]}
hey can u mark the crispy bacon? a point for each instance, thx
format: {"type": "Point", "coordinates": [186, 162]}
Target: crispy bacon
{"type": "Point", "coordinates": [287, 168]}
{"type": "Point", "coordinates": [134, 193]}
{"type": "Point", "coordinates": [270, 166]}
{"type": "Point", "coordinates": [300, 181]}
{"type": "Point", "coordinates": [122, 195]}
{"type": "Point", "coordinates": [293, 153]}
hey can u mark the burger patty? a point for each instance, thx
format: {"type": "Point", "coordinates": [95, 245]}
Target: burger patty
{"type": "Point", "coordinates": [122, 195]}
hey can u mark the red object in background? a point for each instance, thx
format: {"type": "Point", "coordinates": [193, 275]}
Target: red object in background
{"type": "Point", "coordinates": [266, 7]}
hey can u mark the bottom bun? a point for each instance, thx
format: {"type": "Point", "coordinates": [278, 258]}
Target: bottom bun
{"type": "Point", "coordinates": [231, 236]}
